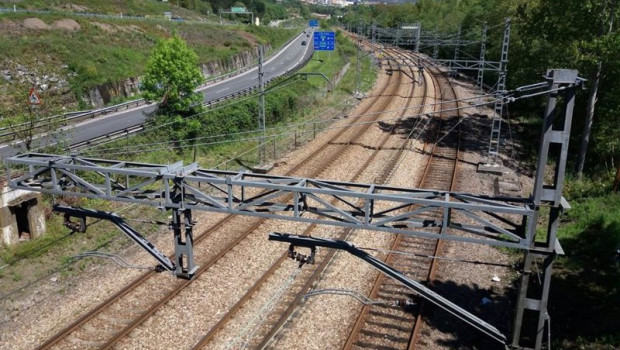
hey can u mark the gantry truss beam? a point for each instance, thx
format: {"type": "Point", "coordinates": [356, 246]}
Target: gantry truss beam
{"type": "Point", "coordinates": [411, 35]}
{"type": "Point", "coordinates": [455, 64]}
{"type": "Point", "coordinates": [408, 40]}
{"type": "Point", "coordinates": [498, 221]}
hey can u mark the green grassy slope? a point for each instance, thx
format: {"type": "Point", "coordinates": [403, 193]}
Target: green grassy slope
{"type": "Point", "coordinates": [131, 7]}
{"type": "Point", "coordinates": [92, 51]}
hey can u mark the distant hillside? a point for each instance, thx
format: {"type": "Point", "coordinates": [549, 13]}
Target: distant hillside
{"type": "Point", "coordinates": [267, 10]}
{"type": "Point", "coordinates": [69, 56]}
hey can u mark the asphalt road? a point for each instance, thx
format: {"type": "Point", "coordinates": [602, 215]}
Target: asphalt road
{"type": "Point", "coordinates": [287, 58]}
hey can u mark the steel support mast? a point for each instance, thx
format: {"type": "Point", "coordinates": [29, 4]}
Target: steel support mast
{"type": "Point", "coordinates": [483, 48]}
{"type": "Point", "coordinates": [458, 44]}
{"type": "Point", "coordinates": [417, 38]}
{"type": "Point", "coordinates": [496, 122]}
{"type": "Point", "coordinates": [531, 313]}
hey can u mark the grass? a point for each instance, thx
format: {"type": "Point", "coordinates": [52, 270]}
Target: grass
{"type": "Point", "coordinates": [113, 7]}
{"type": "Point", "coordinates": [585, 289]}
{"type": "Point", "coordinates": [107, 51]}
{"type": "Point", "coordinates": [29, 261]}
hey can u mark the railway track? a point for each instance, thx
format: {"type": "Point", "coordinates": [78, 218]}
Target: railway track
{"type": "Point", "coordinates": [288, 301]}
{"type": "Point", "coordinates": [110, 322]}
{"type": "Point", "coordinates": [142, 303]}
{"type": "Point", "coordinates": [384, 325]}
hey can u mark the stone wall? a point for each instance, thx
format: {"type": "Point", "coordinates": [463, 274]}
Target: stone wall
{"type": "Point", "coordinates": [101, 95]}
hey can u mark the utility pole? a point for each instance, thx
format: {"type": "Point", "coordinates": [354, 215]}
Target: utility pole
{"type": "Point", "coordinates": [496, 126]}
{"type": "Point", "coordinates": [262, 156]}
{"type": "Point", "coordinates": [358, 65]}
{"type": "Point", "coordinates": [480, 78]}
{"type": "Point", "coordinates": [358, 69]}
{"type": "Point", "coordinates": [372, 48]}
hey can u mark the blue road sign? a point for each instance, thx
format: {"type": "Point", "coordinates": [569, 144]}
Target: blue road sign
{"type": "Point", "coordinates": [314, 23]}
{"type": "Point", "coordinates": [324, 41]}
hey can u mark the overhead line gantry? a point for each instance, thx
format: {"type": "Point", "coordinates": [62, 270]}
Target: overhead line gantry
{"type": "Point", "coordinates": [401, 37]}
{"type": "Point", "coordinates": [492, 220]}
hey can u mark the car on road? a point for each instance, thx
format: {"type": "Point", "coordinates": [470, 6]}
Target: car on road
{"type": "Point", "coordinates": [303, 43]}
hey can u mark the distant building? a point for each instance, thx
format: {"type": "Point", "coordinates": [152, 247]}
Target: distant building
{"type": "Point", "coordinates": [320, 16]}
{"type": "Point", "coordinates": [339, 3]}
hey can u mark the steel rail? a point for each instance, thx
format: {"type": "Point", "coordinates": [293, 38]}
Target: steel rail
{"type": "Point", "coordinates": [292, 305]}
{"type": "Point", "coordinates": [388, 171]}
{"type": "Point", "coordinates": [141, 280]}
{"type": "Point", "coordinates": [363, 315]}
{"type": "Point", "coordinates": [381, 280]}
{"type": "Point", "coordinates": [439, 243]}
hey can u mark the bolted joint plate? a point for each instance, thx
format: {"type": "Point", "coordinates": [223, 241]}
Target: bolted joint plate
{"type": "Point", "coordinates": [562, 76]}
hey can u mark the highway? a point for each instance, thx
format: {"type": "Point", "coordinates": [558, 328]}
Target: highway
{"type": "Point", "coordinates": [291, 55]}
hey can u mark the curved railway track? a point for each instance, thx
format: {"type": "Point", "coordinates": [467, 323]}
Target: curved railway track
{"type": "Point", "coordinates": [383, 325]}
{"type": "Point", "coordinates": [111, 321]}
{"type": "Point", "coordinates": [289, 301]}
{"type": "Point", "coordinates": [138, 304]}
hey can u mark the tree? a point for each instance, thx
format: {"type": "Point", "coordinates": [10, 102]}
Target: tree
{"type": "Point", "coordinates": [25, 123]}
{"type": "Point", "coordinates": [172, 76]}
{"type": "Point", "coordinates": [608, 11]}
{"type": "Point", "coordinates": [23, 126]}
{"type": "Point", "coordinates": [576, 34]}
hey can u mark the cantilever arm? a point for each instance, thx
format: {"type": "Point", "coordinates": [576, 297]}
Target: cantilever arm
{"type": "Point", "coordinates": [423, 291]}
{"type": "Point", "coordinates": [123, 226]}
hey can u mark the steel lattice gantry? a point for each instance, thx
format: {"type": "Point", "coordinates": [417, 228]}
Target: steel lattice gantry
{"type": "Point", "coordinates": [463, 217]}
{"type": "Point", "coordinates": [474, 65]}
{"type": "Point", "coordinates": [468, 218]}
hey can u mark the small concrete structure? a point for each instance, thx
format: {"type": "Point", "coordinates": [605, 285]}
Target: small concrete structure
{"type": "Point", "coordinates": [491, 168]}
{"type": "Point", "coordinates": [263, 168]}
{"type": "Point", "coordinates": [21, 215]}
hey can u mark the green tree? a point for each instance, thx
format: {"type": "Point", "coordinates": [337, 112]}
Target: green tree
{"type": "Point", "coordinates": [577, 34]}
{"type": "Point", "coordinates": [25, 123]}
{"type": "Point", "coordinates": [172, 76]}
{"type": "Point", "coordinates": [23, 126]}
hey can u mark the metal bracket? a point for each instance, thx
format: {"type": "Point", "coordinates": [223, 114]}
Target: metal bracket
{"type": "Point", "coordinates": [302, 258]}
{"type": "Point", "coordinates": [79, 226]}
{"type": "Point", "coordinates": [82, 213]}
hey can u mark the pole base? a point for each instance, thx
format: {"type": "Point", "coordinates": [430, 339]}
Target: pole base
{"type": "Point", "coordinates": [494, 169]}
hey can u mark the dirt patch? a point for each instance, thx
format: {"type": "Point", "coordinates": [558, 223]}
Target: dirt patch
{"type": "Point", "coordinates": [35, 23]}
{"type": "Point", "coordinates": [136, 29]}
{"type": "Point", "coordinates": [67, 24]}
{"type": "Point", "coordinates": [161, 28]}
{"type": "Point", "coordinates": [76, 8]}
{"type": "Point", "coordinates": [10, 27]}
{"type": "Point", "coordinates": [249, 37]}
{"type": "Point", "coordinates": [105, 27]}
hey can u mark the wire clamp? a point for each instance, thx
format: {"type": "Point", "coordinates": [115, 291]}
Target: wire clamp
{"type": "Point", "coordinates": [79, 226]}
{"type": "Point", "coordinates": [301, 258]}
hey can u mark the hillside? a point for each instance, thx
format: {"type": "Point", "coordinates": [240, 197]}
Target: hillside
{"type": "Point", "coordinates": [79, 61]}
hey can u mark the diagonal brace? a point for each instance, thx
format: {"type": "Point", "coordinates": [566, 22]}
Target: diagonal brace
{"type": "Point", "coordinates": [163, 260]}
